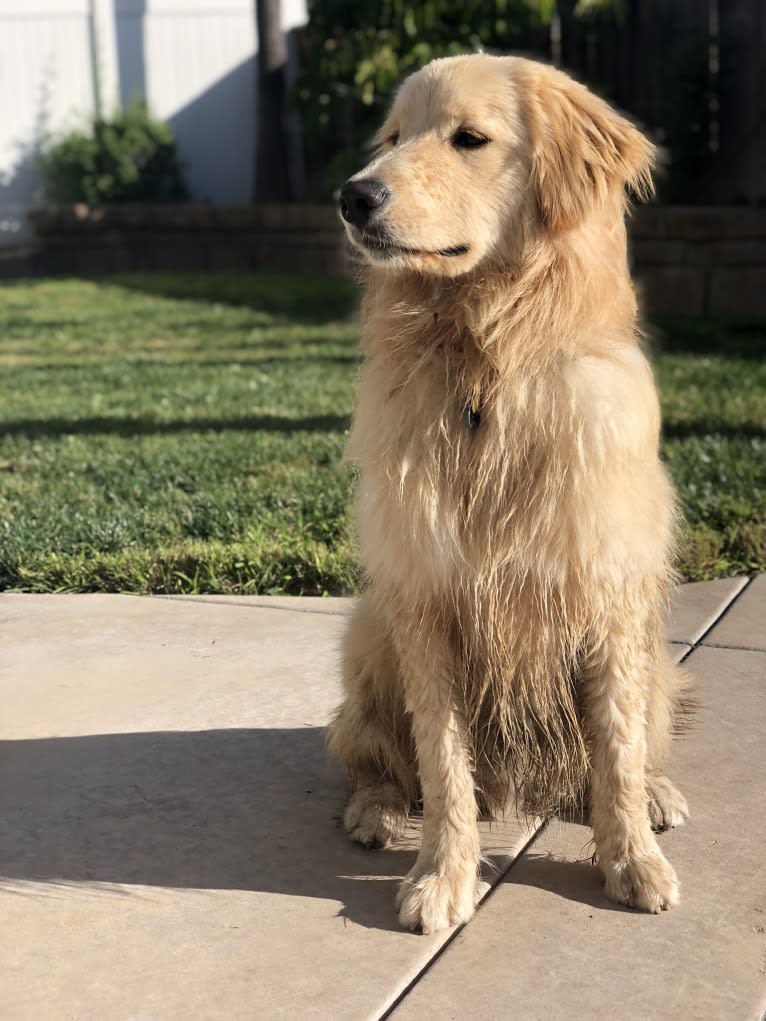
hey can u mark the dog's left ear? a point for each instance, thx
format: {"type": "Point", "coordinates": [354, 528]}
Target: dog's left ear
{"type": "Point", "coordinates": [583, 150]}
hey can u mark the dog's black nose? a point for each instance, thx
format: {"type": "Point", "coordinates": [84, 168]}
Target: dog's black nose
{"type": "Point", "coordinates": [360, 199]}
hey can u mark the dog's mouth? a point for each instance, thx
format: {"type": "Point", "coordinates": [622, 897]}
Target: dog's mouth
{"type": "Point", "coordinates": [385, 248]}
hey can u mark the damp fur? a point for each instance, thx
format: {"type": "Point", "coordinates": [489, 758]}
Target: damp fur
{"type": "Point", "coordinates": [508, 647]}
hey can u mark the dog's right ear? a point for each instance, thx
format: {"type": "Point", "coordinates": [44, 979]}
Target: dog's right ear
{"type": "Point", "coordinates": [583, 150]}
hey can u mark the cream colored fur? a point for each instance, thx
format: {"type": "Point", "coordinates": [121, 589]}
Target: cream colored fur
{"type": "Point", "coordinates": [509, 641]}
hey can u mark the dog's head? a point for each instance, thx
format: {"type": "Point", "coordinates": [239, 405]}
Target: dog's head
{"type": "Point", "coordinates": [477, 148]}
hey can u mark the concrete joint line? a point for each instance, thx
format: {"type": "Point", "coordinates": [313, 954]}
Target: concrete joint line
{"type": "Point", "coordinates": [252, 606]}
{"type": "Point", "coordinates": [400, 997]}
{"type": "Point", "coordinates": [735, 648]}
{"type": "Point", "coordinates": [724, 611]}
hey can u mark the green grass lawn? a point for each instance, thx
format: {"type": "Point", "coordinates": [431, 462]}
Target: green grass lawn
{"type": "Point", "coordinates": [183, 433]}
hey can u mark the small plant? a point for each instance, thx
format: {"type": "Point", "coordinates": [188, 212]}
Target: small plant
{"type": "Point", "coordinates": [130, 157]}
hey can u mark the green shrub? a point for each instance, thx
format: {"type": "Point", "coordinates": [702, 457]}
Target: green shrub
{"type": "Point", "coordinates": [355, 53]}
{"type": "Point", "coordinates": [130, 157]}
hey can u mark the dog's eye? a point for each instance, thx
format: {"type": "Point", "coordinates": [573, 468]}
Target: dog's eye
{"type": "Point", "coordinates": [393, 139]}
{"type": "Point", "coordinates": [466, 139]}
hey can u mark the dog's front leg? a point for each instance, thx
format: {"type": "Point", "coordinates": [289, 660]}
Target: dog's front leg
{"type": "Point", "coordinates": [440, 890]}
{"type": "Point", "coordinates": [616, 695]}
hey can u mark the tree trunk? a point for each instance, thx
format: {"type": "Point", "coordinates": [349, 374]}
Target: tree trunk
{"type": "Point", "coordinates": [272, 175]}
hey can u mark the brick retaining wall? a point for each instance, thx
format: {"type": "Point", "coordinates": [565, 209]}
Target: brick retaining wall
{"type": "Point", "coordinates": [688, 260]}
{"type": "Point", "coordinates": [116, 239]}
{"type": "Point", "coordinates": [691, 260]}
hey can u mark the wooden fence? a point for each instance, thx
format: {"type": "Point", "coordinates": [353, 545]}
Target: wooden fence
{"type": "Point", "coordinates": [692, 71]}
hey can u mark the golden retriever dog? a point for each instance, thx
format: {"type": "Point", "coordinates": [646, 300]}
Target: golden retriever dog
{"type": "Point", "coordinates": [515, 522]}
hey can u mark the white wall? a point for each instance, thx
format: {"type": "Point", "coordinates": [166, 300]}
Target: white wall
{"type": "Point", "coordinates": [194, 60]}
{"type": "Point", "coordinates": [45, 79]}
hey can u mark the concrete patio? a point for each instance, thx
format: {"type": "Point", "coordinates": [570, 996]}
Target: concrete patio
{"type": "Point", "coordinates": [171, 848]}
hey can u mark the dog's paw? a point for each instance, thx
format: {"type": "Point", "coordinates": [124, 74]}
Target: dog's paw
{"type": "Point", "coordinates": [431, 902]}
{"type": "Point", "coordinates": [647, 882]}
{"type": "Point", "coordinates": [375, 816]}
{"type": "Point", "coordinates": [667, 805]}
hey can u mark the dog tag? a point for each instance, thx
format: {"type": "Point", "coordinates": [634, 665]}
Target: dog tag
{"type": "Point", "coordinates": [472, 417]}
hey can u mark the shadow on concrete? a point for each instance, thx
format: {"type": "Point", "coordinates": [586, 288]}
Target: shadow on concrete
{"type": "Point", "coordinates": [580, 881]}
{"type": "Point", "coordinates": [255, 810]}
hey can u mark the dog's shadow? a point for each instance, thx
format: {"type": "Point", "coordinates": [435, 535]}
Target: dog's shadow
{"type": "Point", "coordinates": [254, 810]}
{"type": "Point", "coordinates": [578, 881]}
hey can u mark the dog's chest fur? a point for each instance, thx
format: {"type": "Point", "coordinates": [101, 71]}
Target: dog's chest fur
{"type": "Point", "coordinates": [452, 495]}
{"type": "Point", "coordinates": [549, 484]}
